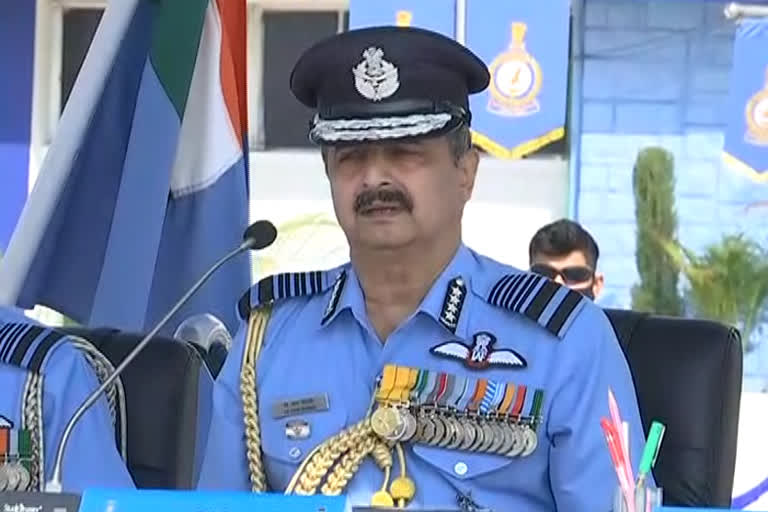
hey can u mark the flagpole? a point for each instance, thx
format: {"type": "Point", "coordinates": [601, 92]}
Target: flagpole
{"type": "Point", "coordinates": [461, 21]}
{"type": "Point", "coordinates": [736, 11]}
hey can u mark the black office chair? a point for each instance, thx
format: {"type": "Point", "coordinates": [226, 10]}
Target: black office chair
{"type": "Point", "coordinates": [688, 375]}
{"type": "Point", "coordinates": [168, 392]}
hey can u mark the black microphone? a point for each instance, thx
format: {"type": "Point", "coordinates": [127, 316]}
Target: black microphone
{"type": "Point", "coordinates": [258, 235]}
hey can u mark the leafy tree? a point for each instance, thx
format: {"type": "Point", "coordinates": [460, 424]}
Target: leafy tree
{"type": "Point", "coordinates": [654, 188]}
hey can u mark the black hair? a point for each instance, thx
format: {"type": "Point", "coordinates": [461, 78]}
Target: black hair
{"type": "Point", "coordinates": [562, 237]}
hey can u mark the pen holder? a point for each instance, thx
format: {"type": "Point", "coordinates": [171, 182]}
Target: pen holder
{"type": "Point", "coordinates": [646, 499]}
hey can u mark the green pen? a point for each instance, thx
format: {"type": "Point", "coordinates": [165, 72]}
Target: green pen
{"type": "Point", "coordinates": [651, 450]}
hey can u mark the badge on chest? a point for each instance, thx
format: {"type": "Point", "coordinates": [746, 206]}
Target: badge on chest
{"type": "Point", "coordinates": [481, 353]}
{"type": "Point", "coordinates": [15, 458]}
{"type": "Point", "coordinates": [457, 412]}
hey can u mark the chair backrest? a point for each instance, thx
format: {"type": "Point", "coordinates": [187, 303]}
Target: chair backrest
{"type": "Point", "coordinates": [168, 392]}
{"type": "Point", "coordinates": [688, 375]}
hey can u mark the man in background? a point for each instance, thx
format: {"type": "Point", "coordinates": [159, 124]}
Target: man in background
{"type": "Point", "coordinates": [566, 253]}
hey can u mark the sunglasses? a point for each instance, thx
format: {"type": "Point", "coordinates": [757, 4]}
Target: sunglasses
{"type": "Point", "coordinates": [571, 275]}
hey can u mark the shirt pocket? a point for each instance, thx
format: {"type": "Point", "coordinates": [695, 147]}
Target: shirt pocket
{"type": "Point", "coordinates": [285, 446]}
{"type": "Point", "coordinates": [462, 465]}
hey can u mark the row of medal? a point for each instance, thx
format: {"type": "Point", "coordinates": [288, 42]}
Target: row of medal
{"type": "Point", "coordinates": [457, 412]}
{"type": "Point", "coordinates": [15, 459]}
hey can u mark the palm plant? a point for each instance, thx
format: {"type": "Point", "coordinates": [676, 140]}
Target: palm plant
{"type": "Point", "coordinates": [727, 283]}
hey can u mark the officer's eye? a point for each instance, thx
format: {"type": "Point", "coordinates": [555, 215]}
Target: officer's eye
{"type": "Point", "coordinates": [347, 154]}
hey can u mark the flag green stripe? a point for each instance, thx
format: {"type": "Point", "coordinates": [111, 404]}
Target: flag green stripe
{"type": "Point", "coordinates": [175, 42]}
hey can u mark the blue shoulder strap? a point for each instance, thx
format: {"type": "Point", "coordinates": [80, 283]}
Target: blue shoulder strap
{"type": "Point", "coordinates": [288, 285]}
{"type": "Point", "coordinates": [552, 306]}
{"type": "Point", "coordinates": [27, 345]}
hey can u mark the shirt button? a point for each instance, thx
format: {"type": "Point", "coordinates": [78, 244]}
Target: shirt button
{"type": "Point", "coordinates": [294, 453]}
{"type": "Point", "coordinates": [460, 469]}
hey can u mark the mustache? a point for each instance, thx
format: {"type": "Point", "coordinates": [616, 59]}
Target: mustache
{"type": "Point", "coordinates": [383, 195]}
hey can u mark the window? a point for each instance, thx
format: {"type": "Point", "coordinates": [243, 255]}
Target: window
{"type": "Point", "coordinates": [78, 29]}
{"type": "Point", "coordinates": [278, 31]}
{"type": "Point", "coordinates": [286, 35]}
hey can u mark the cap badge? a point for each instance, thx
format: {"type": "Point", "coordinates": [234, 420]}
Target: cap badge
{"type": "Point", "coordinates": [375, 78]}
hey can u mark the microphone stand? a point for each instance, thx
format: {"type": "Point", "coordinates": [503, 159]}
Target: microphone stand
{"type": "Point", "coordinates": [54, 484]}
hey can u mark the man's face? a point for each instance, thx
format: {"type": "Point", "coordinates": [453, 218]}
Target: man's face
{"type": "Point", "coordinates": [571, 270]}
{"type": "Point", "coordinates": [391, 194]}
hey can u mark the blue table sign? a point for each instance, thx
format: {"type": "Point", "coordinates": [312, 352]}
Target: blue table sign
{"type": "Point", "coordinates": [694, 509]}
{"type": "Point", "coordinates": [122, 500]}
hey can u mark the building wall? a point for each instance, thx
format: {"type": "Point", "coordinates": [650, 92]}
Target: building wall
{"type": "Point", "coordinates": [17, 43]}
{"type": "Point", "coordinates": [656, 74]}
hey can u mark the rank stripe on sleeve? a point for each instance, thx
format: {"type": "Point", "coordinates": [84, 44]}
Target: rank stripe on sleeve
{"type": "Point", "coordinates": [27, 345]}
{"type": "Point", "coordinates": [26, 341]}
{"type": "Point", "coordinates": [287, 285]}
{"type": "Point", "coordinates": [531, 295]}
{"type": "Point", "coordinates": [9, 336]}
{"type": "Point", "coordinates": [49, 341]}
{"type": "Point", "coordinates": [284, 286]}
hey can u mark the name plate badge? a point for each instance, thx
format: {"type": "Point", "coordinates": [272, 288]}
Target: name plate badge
{"type": "Point", "coordinates": [38, 502]}
{"type": "Point", "coordinates": [103, 500]}
{"type": "Point", "coordinates": [303, 405]}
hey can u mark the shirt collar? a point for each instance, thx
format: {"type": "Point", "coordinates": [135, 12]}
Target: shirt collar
{"type": "Point", "coordinates": [447, 297]}
{"type": "Point", "coordinates": [444, 301]}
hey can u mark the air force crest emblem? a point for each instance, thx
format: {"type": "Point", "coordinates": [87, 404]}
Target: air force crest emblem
{"type": "Point", "coordinates": [515, 78]}
{"type": "Point", "coordinates": [756, 113]}
{"type": "Point", "coordinates": [375, 78]}
{"type": "Point", "coordinates": [481, 354]}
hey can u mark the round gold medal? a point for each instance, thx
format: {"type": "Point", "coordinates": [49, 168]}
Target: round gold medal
{"type": "Point", "coordinates": [509, 439]}
{"type": "Point", "coordinates": [440, 430]}
{"type": "Point", "coordinates": [498, 438]}
{"type": "Point", "coordinates": [519, 445]}
{"type": "Point", "coordinates": [3, 477]}
{"type": "Point", "coordinates": [480, 436]}
{"type": "Point", "coordinates": [385, 422]}
{"type": "Point", "coordinates": [411, 426]}
{"type": "Point", "coordinates": [531, 441]}
{"type": "Point", "coordinates": [24, 478]}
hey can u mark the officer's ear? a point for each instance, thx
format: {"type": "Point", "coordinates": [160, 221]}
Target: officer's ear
{"type": "Point", "coordinates": [325, 154]}
{"type": "Point", "coordinates": [467, 165]}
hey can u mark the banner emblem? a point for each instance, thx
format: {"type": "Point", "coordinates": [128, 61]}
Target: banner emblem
{"type": "Point", "coordinates": [403, 18]}
{"type": "Point", "coordinates": [757, 117]}
{"type": "Point", "coordinates": [515, 78]}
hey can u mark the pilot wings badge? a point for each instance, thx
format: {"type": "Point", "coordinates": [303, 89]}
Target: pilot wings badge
{"type": "Point", "coordinates": [375, 78]}
{"type": "Point", "coordinates": [481, 354]}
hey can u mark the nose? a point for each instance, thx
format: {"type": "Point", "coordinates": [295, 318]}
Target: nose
{"type": "Point", "coordinates": [559, 279]}
{"type": "Point", "coordinates": [377, 169]}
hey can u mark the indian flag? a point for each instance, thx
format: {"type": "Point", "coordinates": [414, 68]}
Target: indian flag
{"type": "Point", "coordinates": [145, 184]}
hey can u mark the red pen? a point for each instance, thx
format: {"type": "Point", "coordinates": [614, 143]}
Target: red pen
{"type": "Point", "coordinates": [614, 447]}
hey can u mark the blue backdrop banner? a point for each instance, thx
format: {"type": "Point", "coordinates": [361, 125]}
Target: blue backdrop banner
{"type": "Point", "coordinates": [746, 136]}
{"type": "Point", "coordinates": [525, 45]}
{"type": "Point", "coordinates": [436, 15]}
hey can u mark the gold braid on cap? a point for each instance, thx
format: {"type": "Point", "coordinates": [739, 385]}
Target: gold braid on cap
{"type": "Point", "coordinates": [257, 326]}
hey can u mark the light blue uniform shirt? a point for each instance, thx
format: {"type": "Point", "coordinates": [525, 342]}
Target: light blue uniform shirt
{"type": "Point", "coordinates": [319, 340]}
{"type": "Point", "coordinates": [92, 458]}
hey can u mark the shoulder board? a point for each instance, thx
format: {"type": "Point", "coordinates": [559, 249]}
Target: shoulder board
{"type": "Point", "coordinates": [27, 345]}
{"type": "Point", "coordinates": [547, 303]}
{"type": "Point", "coordinates": [286, 286]}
